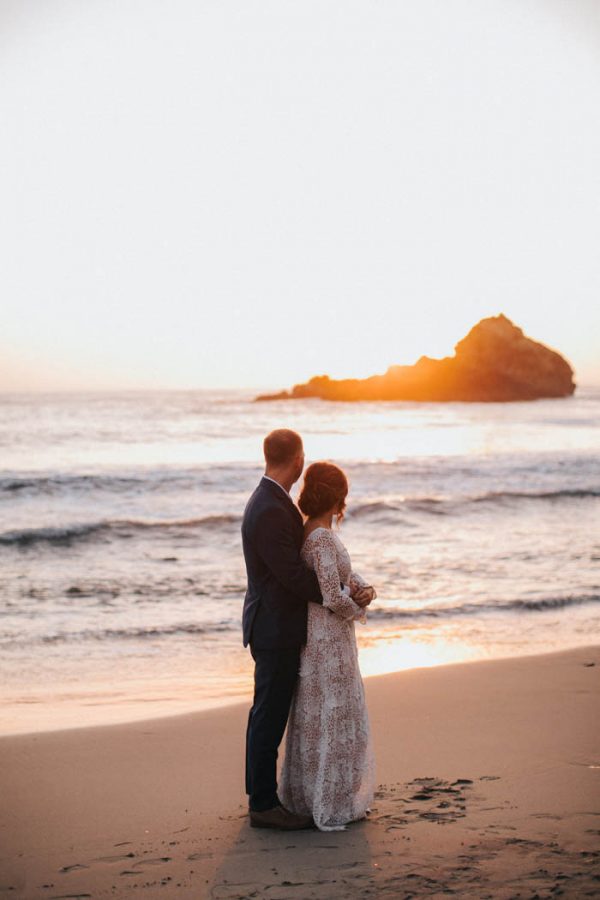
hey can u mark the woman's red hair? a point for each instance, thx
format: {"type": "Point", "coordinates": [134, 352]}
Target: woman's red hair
{"type": "Point", "coordinates": [325, 485]}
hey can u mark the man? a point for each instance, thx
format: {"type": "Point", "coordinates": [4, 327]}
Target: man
{"type": "Point", "coordinates": [280, 587]}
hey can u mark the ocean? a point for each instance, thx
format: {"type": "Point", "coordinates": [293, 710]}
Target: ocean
{"type": "Point", "coordinates": [121, 571]}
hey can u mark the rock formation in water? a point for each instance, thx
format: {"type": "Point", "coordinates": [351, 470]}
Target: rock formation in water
{"type": "Point", "coordinates": [494, 362]}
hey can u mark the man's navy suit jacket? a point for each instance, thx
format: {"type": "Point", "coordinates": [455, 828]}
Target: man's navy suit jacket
{"type": "Point", "coordinates": [280, 585]}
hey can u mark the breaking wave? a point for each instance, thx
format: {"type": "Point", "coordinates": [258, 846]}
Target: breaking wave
{"type": "Point", "coordinates": [106, 530]}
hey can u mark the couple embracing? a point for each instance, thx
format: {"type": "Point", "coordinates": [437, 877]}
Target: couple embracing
{"type": "Point", "coordinates": [302, 601]}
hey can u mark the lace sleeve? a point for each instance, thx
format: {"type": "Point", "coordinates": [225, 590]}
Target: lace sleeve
{"type": "Point", "coordinates": [325, 562]}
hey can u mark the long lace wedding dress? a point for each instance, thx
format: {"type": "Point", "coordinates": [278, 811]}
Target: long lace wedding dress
{"type": "Point", "coordinates": [329, 767]}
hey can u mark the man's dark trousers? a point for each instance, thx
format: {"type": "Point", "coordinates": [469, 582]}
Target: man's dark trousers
{"type": "Point", "coordinates": [275, 675]}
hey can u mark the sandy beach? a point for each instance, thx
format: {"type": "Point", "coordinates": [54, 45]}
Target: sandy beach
{"type": "Point", "coordinates": [488, 779]}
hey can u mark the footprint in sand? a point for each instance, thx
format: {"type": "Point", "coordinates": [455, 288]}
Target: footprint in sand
{"type": "Point", "coordinates": [439, 801]}
{"type": "Point", "coordinates": [69, 896]}
{"type": "Point", "coordinates": [157, 861]}
{"type": "Point", "coordinates": [524, 843]}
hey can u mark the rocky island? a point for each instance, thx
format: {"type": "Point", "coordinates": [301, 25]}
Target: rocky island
{"type": "Point", "coordinates": [495, 362]}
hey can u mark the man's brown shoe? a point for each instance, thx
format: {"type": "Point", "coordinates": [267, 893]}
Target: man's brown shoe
{"type": "Point", "coordinates": [279, 817]}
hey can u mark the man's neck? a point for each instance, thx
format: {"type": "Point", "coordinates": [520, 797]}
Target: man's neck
{"type": "Point", "coordinates": [282, 478]}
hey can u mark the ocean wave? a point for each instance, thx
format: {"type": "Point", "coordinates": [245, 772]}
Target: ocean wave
{"type": "Point", "coordinates": [469, 609]}
{"type": "Point", "coordinates": [133, 632]}
{"type": "Point", "coordinates": [447, 505]}
{"type": "Point", "coordinates": [395, 511]}
{"type": "Point", "coordinates": [153, 480]}
{"type": "Point", "coordinates": [48, 484]}
{"type": "Point", "coordinates": [381, 615]}
{"type": "Point", "coordinates": [389, 508]}
{"type": "Point", "coordinates": [567, 493]}
{"type": "Point", "coordinates": [382, 510]}
{"type": "Point", "coordinates": [69, 534]}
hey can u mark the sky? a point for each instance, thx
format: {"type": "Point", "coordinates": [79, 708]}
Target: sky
{"type": "Point", "coordinates": [231, 193]}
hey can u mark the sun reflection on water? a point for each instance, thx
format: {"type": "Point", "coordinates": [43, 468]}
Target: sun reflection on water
{"type": "Point", "coordinates": [382, 654]}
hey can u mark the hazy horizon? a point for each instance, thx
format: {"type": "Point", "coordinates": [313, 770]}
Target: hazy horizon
{"type": "Point", "coordinates": [257, 388]}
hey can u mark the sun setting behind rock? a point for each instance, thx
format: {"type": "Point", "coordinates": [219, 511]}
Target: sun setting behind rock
{"type": "Point", "coordinates": [494, 362]}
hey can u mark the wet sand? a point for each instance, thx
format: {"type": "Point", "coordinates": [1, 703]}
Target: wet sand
{"type": "Point", "coordinates": [489, 787]}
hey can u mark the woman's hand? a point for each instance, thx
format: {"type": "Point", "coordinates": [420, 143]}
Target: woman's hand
{"type": "Point", "coordinates": [365, 595]}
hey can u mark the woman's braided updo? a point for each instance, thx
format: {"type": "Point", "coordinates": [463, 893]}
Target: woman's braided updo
{"type": "Point", "coordinates": [325, 486]}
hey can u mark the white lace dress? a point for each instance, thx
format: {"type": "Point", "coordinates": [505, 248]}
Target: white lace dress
{"type": "Point", "coordinates": [329, 768]}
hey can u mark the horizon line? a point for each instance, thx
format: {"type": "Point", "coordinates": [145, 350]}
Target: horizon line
{"type": "Point", "coordinates": [182, 390]}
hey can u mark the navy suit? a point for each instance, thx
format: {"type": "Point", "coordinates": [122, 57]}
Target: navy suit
{"type": "Point", "coordinates": [275, 613]}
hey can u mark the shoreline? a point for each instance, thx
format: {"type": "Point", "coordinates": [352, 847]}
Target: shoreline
{"type": "Point", "coordinates": [210, 704]}
{"type": "Point", "coordinates": [487, 787]}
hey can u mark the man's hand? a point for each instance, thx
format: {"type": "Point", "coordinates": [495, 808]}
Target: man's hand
{"type": "Point", "coordinates": [364, 596]}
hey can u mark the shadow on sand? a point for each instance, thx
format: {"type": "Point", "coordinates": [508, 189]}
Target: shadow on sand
{"type": "Point", "coordinates": [298, 865]}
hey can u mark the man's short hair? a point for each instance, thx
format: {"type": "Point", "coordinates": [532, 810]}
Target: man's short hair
{"type": "Point", "coordinates": [281, 446]}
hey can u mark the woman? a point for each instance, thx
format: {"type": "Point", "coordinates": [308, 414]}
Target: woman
{"type": "Point", "coordinates": [329, 769]}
